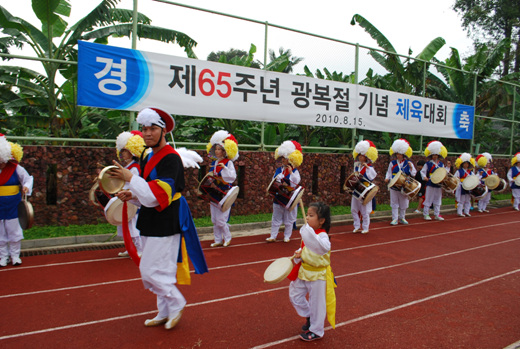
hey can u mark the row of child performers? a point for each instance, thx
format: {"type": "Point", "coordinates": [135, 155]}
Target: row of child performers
{"type": "Point", "coordinates": [223, 150]}
{"type": "Point", "coordinates": [482, 168]}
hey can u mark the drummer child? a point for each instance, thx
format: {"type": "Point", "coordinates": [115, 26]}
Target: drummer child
{"type": "Point", "coordinates": [129, 147]}
{"type": "Point", "coordinates": [312, 275]}
{"type": "Point", "coordinates": [464, 165]}
{"type": "Point", "coordinates": [223, 148]}
{"type": "Point", "coordinates": [512, 176]}
{"type": "Point", "coordinates": [433, 193]}
{"type": "Point", "coordinates": [484, 170]}
{"type": "Point", "coordinates": [289, 176]}
{"type": "Point", "coordinates": [12, 176]}
{"type": "Point", "coordinates": [399, 201]}
{"type": "Point", "coordinates": [365, 153]}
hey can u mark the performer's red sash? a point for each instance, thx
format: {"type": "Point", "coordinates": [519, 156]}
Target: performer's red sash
{"type": "Point", "coordinates": [150, 165]}
{"type": "Point", "coordinates": [7, 172]}
{"type": "Point", "coordinates": [129, 244]}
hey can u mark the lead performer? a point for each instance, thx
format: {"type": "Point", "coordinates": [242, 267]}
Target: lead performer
{"type": "Point", "coordinates": [398, 200]}
{"type": "Point", "coordinates": [163, 218]}
{"type": "Point", "coordinates": [433, 194]}
{"type": "Point", "coordinates": [365, 153]}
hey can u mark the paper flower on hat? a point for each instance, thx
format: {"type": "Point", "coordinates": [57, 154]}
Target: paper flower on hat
{"type": "Point", "coordinates": [366, 148]}
{"type": "Point", "coordinates": [464, 157]}
{"type": "Point", "coordinates": [16, 152]}
{"type": "Point", "coordinates": [436, 148]}
{"type": "Point", "coordinates": [156, 116]}
{"type": "Point", "coordinates": [132, 141]}
{"type": "Point", "coordinates": [483, 159]}
{"type": "Point", "coordinates": [292, 151]}
{"type": "Point", "coordinates": [515, 159]}
{"type": "Point", "coordinates": [5, 150]}
{"type": "Point", "coordinates": [401, 146]}
{"type": "Point", "coordinates": [227, 141]}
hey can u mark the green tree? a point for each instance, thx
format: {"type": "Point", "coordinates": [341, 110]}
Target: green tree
{"type": "Point", "coordinates": [57, 40]}
{"type": "Point", "coordinates": [286, 55]}
{"type": "Point", "coordinates": [496, 20]}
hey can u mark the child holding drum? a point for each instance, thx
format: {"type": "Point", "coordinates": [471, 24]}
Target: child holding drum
{"type": "Point", "coordinates": [12, 178]}
{"type": "Point", "coordinates": [222, 147]}
{"type": "Point", "coordinates": [312, 275]}
{"type": "Point", "coordinates": [513, 175]}
{"type": "Point", "coordinates": [399, 201]}
{"type": "Point", "coordinates": [365, 153]}
{"type": "Point", "coordinates": [464, 165]}
{"type": "Point", "coordinates": [289, 177]}
{"type": "Point", "coordinates": [484, 170]}
{"type": "Point", "coordinates": [420, 195]}
{"type": "Point", "coordinates": [129, 147]}
{"type": "Point", "coordinates": [433, 193]}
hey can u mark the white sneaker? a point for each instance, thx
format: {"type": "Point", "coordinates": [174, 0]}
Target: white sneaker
{"type": "Point", "coordinates": [227, 243]}
{"type": "Point", "coordinates": [356, 230]}
{"type": "Point", "coordinates": [286, 240]}
{"type": "Point", "coordinates": [403, 221]}
{"type": "Point", "coordinates": [173, 321]}
{"type": "Point", "coordinates": [216, 244]}
{"type": "Point", "coordinates": [394, 222]}
{"type": "Point", "coordinates": [427, 218]}
{"type": "Point", "coordinates": [3, 262]}
{"type": "Point", "coordinates": [485, 210]}
{"type": "Point", "coordinates": [270, 240]}
{"type": "Point", "coordinates": [364, 232]}
{"type": "Point", "coordinates": [468, 215]}
{"type": "Point", "coordinates": [123, 254]}
{"type": "Point", "coordinates": [417, 211]}
{"type": "Point", "coordinates": [16, 261]}
{"type": "Point", "coordinates": [439, 218]}
{"type": "Point", "coordinates": [516, 208]}
{"type": "Point", "coordinates": [460, 215]}
{"type": "Point", "coordinates": [480, 210]}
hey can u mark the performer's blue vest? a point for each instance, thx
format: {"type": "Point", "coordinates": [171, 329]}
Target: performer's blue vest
{"type": "Point", "coordinates": [9, 203]}
{"type": "Point", "coordinates": [514, 172]}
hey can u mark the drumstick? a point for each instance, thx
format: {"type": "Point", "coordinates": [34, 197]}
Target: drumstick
{"type": "Point", "coordinates": [303, 212]}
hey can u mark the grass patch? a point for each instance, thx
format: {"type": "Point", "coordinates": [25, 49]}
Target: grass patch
{"type": "Point", "coordinates": [105, 228]}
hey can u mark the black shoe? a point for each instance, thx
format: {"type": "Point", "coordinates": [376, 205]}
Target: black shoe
{"type": "Point", "coordinates": [309, 336]}
{"type": "Point", "coordinates": [307, 325]}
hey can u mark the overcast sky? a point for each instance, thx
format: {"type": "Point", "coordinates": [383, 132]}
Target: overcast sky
{"type": "Point", "coordinates": [407, 24]}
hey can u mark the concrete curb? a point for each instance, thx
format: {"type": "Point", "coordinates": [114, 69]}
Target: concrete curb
{"type": "Point", "coordinates": [108, 241]}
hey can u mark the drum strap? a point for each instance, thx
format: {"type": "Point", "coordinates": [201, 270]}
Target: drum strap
{"type": "Point", "coordinates": [9, 190]}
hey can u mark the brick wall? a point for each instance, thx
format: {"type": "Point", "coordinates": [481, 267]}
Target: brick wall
{"type": "Point", "coordinates": [74, 168]}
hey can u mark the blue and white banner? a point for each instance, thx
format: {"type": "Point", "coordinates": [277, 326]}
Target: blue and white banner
{"type": "Point", "coordinates": [117, 78]}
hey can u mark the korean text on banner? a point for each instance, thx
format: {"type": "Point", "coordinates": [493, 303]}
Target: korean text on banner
{"type": "Point", "coordinates": [118, 78]}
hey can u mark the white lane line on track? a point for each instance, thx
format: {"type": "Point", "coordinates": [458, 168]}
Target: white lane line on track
{"type": "Point", "coordinates": [402, 306]}
{"type": "Point", "coordinates": [270, 260]}
{"type": "Point", "coordinates": [68, 288]}
{"type": "Point", "coordinates": [266, 345]}
{"type": "Point", "coordinates": [337, 276]}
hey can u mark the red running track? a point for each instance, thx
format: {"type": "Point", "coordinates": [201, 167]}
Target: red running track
{"type": "Point", "coordinates": [451, 284]}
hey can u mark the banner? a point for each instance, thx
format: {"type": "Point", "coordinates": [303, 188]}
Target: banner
{"type": "Point", "coordinates": [118, 78]}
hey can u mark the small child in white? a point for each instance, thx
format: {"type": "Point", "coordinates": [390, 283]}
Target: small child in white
{"type": "Point", "coordinates": [223, 148]}
{"type": "Point", "coordinates": [513, 176]}
{"type": "Point", "coordinates": [484, 170]}
{"type": "Point", "coordinates": [464, 165]}
{"type": "Point", "coordinates": [12, 177]}
{"type": "Point", "coordinates": [289, 177]}
{"type": "Point", "coordinates": [312, 274]}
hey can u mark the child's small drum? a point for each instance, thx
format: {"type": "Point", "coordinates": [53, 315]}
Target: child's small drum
{"type": "Point", "coordinates": [406, 184]}
{"type": "Point", "coordinates": [222, 198]}
{"type": "Point", "coordinates": [475, 188]}
{"type": "Point", "coordinates": [501, 186]}
{"type": "Point", "coordinates": [446, 180]}
{"type": "Point", "coordinates": [278, 270]}
{"type": "Point", "coordinates": [286, 196]}
{"type": "Point", "coordinates": [360, 188]}
{"type": "Point", "coordinates": [114, 211]}
{"type": "Point", "coordinates": [492, 181]}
